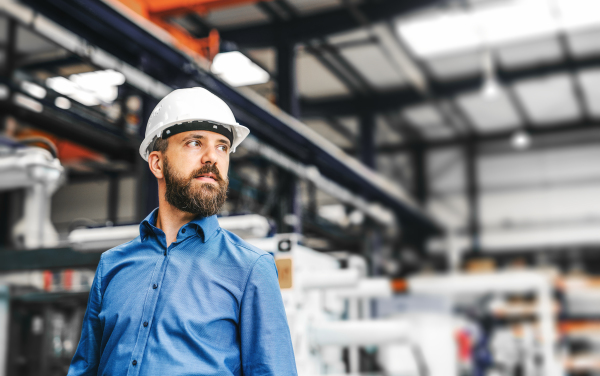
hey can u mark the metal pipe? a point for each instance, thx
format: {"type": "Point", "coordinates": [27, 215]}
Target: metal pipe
{"type": "Point", "coordinates": [358, 333]}
{"type": "Point", "coordinates": [330, 279]}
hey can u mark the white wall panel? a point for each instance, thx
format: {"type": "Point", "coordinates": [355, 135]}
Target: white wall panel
{"type": "Point", "coordinates": [544, 198]}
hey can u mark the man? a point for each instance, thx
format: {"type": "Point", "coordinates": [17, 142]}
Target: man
{"type": "Point", "coordinates": [186, 297]}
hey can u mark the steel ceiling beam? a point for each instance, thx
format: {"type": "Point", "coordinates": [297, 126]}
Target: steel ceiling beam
{"type": "Point", "coordinates": [547, 130]}
{"type": "Point", "coordinates": [117, 34]}
{"type": "Point", "coordinates": [321, 24]}
{"type": "Point", "coordinates": [406, 97]}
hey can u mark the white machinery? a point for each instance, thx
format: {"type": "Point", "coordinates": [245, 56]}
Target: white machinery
{"type": "Point", "coordinates": [40, 174]}
{"type": "Point", "coordinates": [328, 308]}
{"type": "Point", "coordinates": [315, 292]}
{"type": "Point", "coordinates": [460, 286]}
{"type": "Point", "coordinates": [103, 238]}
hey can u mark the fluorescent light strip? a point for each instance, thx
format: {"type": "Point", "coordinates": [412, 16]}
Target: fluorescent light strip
{"type": "Point", "coordinates": [34, 90]}
{"type": "Point", "coordinates": [81, 47]}
{"type": "Point", "coordinates": [28, 103]}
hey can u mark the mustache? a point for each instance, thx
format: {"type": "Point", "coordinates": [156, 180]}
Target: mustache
{"type": "Point", "coordinates": [208, 168]}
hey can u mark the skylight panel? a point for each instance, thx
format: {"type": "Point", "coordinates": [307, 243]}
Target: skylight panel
{"type": "Point", "coordinates": [453, 66]}
{"type": "Point", "coordinates": [585, 43]}
{"type": "Point", "coordinates": [236, 16]}
{"type": "Point", "coordinates": [549, 100]}
{"type": "Point", "coordinates": [579, 14]}
{"type": "Point", "coordinates": [315, 81]}
{"type": "Point", "coordinates": [514, 21]}
{"type": "Point", "coordinates": [374, 66]}
{"type": "Point", "coordinates": [440, 33]}
{"type": "Point", "coordinates": [539, 51]}
{"type": "Point", "coordinates": [489, 24]}
{"type": "Point", "coordinates": [427, 120]}
{"type": "Point", "coordinates": [422, 115]}
{"type": "Point", "coordinates": [490, 114]}
{"type": "Point", "coordinates": [437, 132]}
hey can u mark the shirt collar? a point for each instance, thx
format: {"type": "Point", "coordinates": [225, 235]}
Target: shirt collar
{"type": "Point", "coordinates": [205, 227]}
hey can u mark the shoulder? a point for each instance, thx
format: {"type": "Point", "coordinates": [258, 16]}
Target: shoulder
{"type": "Point", "coordinates": [245, 254]}
{"type": "Point", "coordinates": [119, 252]}
{"type": "Point", "coordinates": [242, 246]}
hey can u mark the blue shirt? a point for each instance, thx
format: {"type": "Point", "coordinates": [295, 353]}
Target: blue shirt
{"type": "Point", "coordinates": [209, 304]}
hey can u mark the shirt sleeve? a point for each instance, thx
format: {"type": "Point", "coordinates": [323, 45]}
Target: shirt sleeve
{"type": "Point", "coordinates": [87, 356]}
{"type": "Point", "coordinates": [266, 343]}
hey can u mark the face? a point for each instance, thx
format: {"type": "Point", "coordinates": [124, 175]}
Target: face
{"type": "Point", "coordinates": [194, 168]}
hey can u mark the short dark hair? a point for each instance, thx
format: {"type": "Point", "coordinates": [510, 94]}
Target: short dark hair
{"type": "Point", "coordinates": [159, 145]}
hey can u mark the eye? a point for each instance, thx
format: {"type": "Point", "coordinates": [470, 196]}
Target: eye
{"type": "Point", "coordinates": [194, 143]}
{"type": "Point", "coordinates": [222, 147]}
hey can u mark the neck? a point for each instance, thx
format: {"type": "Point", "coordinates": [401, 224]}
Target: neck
{"type": "Point", "coordinates": [170, 219]}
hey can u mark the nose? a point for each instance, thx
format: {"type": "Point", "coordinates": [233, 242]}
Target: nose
{"type": "Point", "coordinates": [209, 156]}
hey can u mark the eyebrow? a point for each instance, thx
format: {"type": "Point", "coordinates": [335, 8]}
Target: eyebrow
{"type": "Point", "coordinates": [201, 137]}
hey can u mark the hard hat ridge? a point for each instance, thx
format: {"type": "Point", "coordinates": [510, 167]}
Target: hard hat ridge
{"type": "Point", "coordinates": [190, 109]}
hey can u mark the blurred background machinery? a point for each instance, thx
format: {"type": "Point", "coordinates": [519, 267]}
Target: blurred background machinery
{"type": "Point", "coordinates": [425, 172]}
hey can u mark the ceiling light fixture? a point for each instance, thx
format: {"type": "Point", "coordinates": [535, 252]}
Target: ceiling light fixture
{"type": "Point", "coordinates": [90, 88]}
{"type": "Point", "coordinates": [238, 70]}
{"type": "Point", "coordinates": [490, 87]}
{"type": "Point", "coordinates": [34, 90]}
{"type": "Point", "coordinates": [28, 103]}
{"type": "Point", "coordinates": [62, 102]}
{"type": "Point", "coordinates": [520, 140]}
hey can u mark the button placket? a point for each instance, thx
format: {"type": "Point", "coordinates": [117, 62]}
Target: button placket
{"type": "Point", "coordinates": [148, 311]}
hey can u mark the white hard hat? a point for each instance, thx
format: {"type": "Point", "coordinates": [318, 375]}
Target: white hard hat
{"type": "Point", "coordinates": [191, 109]}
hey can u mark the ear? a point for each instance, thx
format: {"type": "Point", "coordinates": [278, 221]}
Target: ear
{"type": "Point", "coordinates": [155, 162]}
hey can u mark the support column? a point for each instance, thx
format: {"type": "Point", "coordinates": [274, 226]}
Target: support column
{"type": "Point", "coordinates": [287, 85]}
{"type": "Point", "coordinates": [113, 198]}
{"type": "Point", "coordinates": [290, 204]}
{"type": "Point", "coordinates": [472, 193]}
{"type": "Point", "coordinates": [11, 48]}
{"type": "Point", "coordinates": [312, 200]}
{"type": "Point", "coordinates": [289, 101]}
{"type": "Point", "coordinates": [420, 186]}
{"type": "Point", "coordinates": [366, 140]}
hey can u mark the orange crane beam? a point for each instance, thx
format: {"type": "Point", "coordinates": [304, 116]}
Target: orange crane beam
{"type": "Point", "coordinates": [157, 10]}
{"type": "Point", "coordinates": [171, 8]}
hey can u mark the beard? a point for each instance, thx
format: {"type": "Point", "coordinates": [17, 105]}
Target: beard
{"type": "Point", "coordinates": [203, 199]}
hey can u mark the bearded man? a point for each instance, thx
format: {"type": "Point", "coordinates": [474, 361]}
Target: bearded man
{"type": "Point", "coordinates": [186, 297]}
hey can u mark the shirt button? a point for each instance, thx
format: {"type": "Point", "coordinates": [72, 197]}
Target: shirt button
{"type": "Point", "coordinates": [154, 286]}
{"type": "Point", "coordinates": [145, 324]}
{"type": "Point", "coordinates": [183, 231]}
{"type": "Point", "coordinates": [134, 362]}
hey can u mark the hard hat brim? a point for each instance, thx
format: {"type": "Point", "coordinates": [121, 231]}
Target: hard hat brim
{"type": "Point", "coordinates": [239, 134]}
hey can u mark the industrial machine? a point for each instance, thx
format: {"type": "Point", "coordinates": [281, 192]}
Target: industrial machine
{"type": "Point", "coordinates": [106, 237]}
{"type": "Point", "coordinates": [40, 174]}
{"type": "Point", "coordinates": [328, 309]}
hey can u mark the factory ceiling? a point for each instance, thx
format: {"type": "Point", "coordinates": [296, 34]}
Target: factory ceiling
{"type": "Point", "coordinates": [434, 71]}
